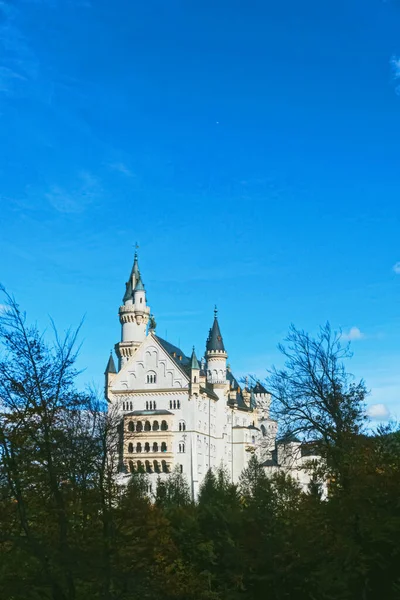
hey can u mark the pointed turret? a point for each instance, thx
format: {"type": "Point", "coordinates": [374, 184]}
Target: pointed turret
{"type": "Point", "coordinates": [194, 373]}
{"type": "Point", "coordinates": [132, 281]}
{"type": "Point", "coordinates": [215, 341]}
{"type": "Point", "coordinates": [109, 374]}
{"type": "Point", "coordinates": [139, 287]}
{"type": "Point", "coordinates": [110, 368]}
{"type": "Point", "coordinates": [216, 354]}
{"type": "Point", "coordinates": [194, 363]}
{"type": "Point", "coordinates": [133, 315]}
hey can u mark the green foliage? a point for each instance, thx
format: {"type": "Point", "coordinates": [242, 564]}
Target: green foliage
{"type": "Point", "coordinates": [69, 531]}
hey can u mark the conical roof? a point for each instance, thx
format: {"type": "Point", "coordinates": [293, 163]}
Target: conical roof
{"type": "Point", "coordinates": [128, 291]}
{"type": "Point", "coordinates": [194, 363]}
{"type": "Point", "coordinates": [139, 285]}
{"type": "Point", "coordinates": [215, 341]}
{"type": "Point", "coordinates": [110, 365]}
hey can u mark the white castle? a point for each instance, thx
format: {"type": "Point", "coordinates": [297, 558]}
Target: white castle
{"type": "Point", "coordinates": [177, 412]}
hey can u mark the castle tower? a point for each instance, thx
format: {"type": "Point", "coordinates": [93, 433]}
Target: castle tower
{"type": "Point", "coordinates": [133, 315]}
{"type": "Point", "coordinates": [194, 374]}
{"type": "Point", "coordinates": [216, 355]}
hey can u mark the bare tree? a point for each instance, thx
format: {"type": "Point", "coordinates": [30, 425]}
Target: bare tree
{"type": "Point", "coordinates": [50, 445]}
{"type": "Point", "coordinates": [314, 396]}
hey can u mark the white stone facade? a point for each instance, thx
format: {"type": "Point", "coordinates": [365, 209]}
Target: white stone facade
{"type": "Point", "coordinates": [175, 411]}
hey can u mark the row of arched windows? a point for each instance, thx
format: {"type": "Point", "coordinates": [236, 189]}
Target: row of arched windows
{"type": "Point", "coordinates": [146, 447]}
{"type": "Point", "coordinates": [138, 426]}
{"type": "Point", "coordinates": [148, 466]}
{"type": "Point", "coordinates": [182, 426]}
{"type": "Point", "coordinates": [127, 406]}
{"type": "Point", "coordinates": [174, 404]}
{"type": "Point", "coordinates": [151, 405]}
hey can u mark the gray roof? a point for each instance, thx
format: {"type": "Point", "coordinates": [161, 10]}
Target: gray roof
{"type": "Point", "coordinates": [110, 368]}
{"type": "Point", "coordinates": [194, 363]}
{"type": "Point", "coordinates": [171, 350]}
{"type": "Point", "coordinates": [143, 413]}
{"type": "Point", "coordinates": [259, 388]}
{"type": "Point", "coordinates": [210, 393]}
{"type": "Point", "coordinates": [139, 285]}
{"type": "Point", "coordinates": [128, 291]}
{"type": "Point", "coordinates": [214, 340]}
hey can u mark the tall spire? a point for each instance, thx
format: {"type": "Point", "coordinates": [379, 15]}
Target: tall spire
{"type": "Point", "coordinates": [133, 278]}
{"type": "Point", "coordinates": [194, 363]}
{"type": "Point", "coordinates": [215, 341]}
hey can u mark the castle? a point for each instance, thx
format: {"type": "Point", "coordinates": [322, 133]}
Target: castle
{"type": "Point", "coordinates": [178, 412]}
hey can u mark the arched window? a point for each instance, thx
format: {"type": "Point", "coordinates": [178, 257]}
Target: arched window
{"type": "Point", "coordinates": [156, 466]}
{"type": "Point", "coordinates": [182, 426]}
{"type": "Point", "coordinates": [147, 447]}
{"type": "Point", "coordinates": [164, 425]}
{"type": "Point", "coordinates": [174, 404]}
{"type": "Point", "coordinates": [130, 447]}
{"type": "Point", "coordinates": [123, 406]}
{"type": "Point", "coordinates": [170, 404]}
{"type": "Point", "coordinates": [253, 439]}
{"type": "Point", "coordinates": [263, 430]}
{"type": "Point", "coordinates": [131, 426]}
{"type": "Point", "coordinates": [130, 406]}
{"type": "Point", "coordinates": [181, 447]}
{"type": "Point", "coordinates": [155, 447]}
{"type": "Point", "coordinates": [178, 404]}
{"type": "Point", "coordinates": [148, 467]}
{"type": "Point", "coordinates": [131, 467]}
{"type": "Point", "coordinates": [156, 426]}
{"type": "Point", "coordinates": [141, 300]}
{"type": "Point", "coordinates": [139, 427]}
{"type": "Point", "coordinates": [155, 405]}
{"type": "Point", "coordinates": [139, 466]}
{"type": "Point", "coordinates": [164, 466]}
{"type": "Point", "coordinates": [151, 377]}
{"type": "Point", "coordinates": [147, 406]}
{"type": "Point", "coordinates": [181, 468]}
{"type": "Point", "coordinates": [147, 426]}
{"type": "Point", "coordinates": [195, 379]}
{"type": "Point", "coordinates": [163, 447]}
{"type": "Point", "coordinates": [138, 447]}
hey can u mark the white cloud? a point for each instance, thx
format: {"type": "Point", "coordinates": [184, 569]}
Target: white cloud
{"type": "Point", "coordinates": [379, 412]}
{"type": "Point", "coordinates": [121, 168]}
{"type": "Point", "coordinates": [395, 64]}
{"type": "Point", "coordinates": [396, 268]}
{"type": "Point", "coordinates": [76, 199]}
{"type": "Point", "coordinates": [353, 334]}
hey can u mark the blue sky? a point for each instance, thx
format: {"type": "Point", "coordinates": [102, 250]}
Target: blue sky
{"type": "Point", "coordinates": [250, 147]}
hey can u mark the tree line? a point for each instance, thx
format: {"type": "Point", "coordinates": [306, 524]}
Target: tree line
{"type": "Point", "coordinates": [68, 531]}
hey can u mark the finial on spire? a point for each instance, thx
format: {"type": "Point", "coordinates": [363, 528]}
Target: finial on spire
{"type": "Point", "coordinates": [215, 311]}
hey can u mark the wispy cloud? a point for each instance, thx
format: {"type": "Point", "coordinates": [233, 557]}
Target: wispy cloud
{"type": "Point", "coordinates": [121, 167]}
{"type": "Point", "coordinates": [395, 64]}
{"type": "Point", "coordinates": [396, 268]}
{"type": "Point", "coordinates": [76, 199]}
{"type": "Point", "coordinates": [353, 334]}
{"type": "Point", "coordinates": [378, 412]}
